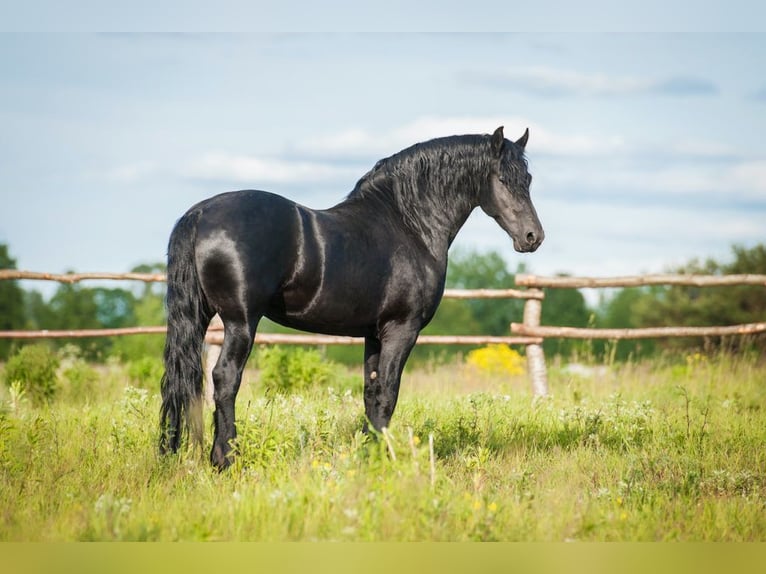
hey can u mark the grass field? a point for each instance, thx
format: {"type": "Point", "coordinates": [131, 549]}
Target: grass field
{"type": "Point", "coordinates": [674, 449]}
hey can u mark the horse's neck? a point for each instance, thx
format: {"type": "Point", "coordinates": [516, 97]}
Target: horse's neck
{"type": "Point", "coordinates": [443, 205]}
{"type": "Point", "coordinates": [432, 202]}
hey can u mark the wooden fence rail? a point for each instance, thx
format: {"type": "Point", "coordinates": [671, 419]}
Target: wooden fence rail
{"type": "Point", "coordinates": [214, 336]}
{"type": "Point", "coordinates": [640, 281]}
{"type": "Point", "coordinates": [9, 274]}
{"type": "Point", "coordinates": [638, 333]}
{"type": "Point", "coordinates": [77, 277]}
{"type": "Point", "coordinates": [529, 333]}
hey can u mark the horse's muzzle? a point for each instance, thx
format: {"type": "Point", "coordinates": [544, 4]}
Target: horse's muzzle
{"type": "Point", "coordinates": [529, 242]}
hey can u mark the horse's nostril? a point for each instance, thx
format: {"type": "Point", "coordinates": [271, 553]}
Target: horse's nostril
{"type": "Point", "coordinates": [531, 238]}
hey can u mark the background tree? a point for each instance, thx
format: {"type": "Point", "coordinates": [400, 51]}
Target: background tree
{"type": "Point", "coordinates": [148, 311]}
{"type": "Point", "coordinates": [623, 310]}
{"type": "Point", "coordinates": [565, 308]}
{"type": "Point", "coordinates": [694, 306]}
{"type": "Point", "coordinates": [74, 306]}
{"type": "Point", "coordinates": [680, 305]}
{"type": "Point", "coordinates": [11, 303]}
{"type": "Point", "coordinates": [475, 270]}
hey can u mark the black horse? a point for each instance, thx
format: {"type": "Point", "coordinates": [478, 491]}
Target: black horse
{"type": "Point", "coordinates": [373, 266]}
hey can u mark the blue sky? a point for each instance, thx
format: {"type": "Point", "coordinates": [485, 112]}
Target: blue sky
{"type": "Point", "coordinates": [646, 149]}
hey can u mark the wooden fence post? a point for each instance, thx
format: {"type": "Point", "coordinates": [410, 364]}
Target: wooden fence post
{"type": "Point", "coordinates": [212, 352]}
{"type": "Point", "coordinates": [535, 356]}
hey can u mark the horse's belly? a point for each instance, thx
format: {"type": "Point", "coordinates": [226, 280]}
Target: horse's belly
{"type": "Point", "coordinates": [345, 299]}
{"type": "Point", "coordinates": [337, 322]}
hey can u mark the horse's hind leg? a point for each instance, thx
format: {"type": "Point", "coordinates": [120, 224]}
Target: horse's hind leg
{"type": "Point", "coordinates": [227, 376]}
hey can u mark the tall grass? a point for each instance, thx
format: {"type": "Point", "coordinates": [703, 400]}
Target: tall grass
{"type": "Point", "coordinates": [665, 450]}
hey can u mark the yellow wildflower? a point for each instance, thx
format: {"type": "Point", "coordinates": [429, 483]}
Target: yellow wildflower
{"type": "Point", "coordinates": [496, 360]}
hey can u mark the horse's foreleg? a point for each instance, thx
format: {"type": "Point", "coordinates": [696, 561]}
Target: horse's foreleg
{"type": "Point", "coordinates": [227, 376]}
{"type": "Point", "coordinates": [371, 375]}
{"type": "Point", "coordinates": [384, 363]}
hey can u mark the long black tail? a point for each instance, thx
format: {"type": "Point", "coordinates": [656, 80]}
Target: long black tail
{"type": "Point", "coordinates": [188, 319]}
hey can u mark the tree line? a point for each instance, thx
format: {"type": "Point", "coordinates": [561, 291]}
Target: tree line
{"type": "Point", "coordinates": [80, 306]}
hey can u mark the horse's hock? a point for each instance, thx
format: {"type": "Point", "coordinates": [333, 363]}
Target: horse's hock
{"type": "Point", "coordinates": [212, 352]}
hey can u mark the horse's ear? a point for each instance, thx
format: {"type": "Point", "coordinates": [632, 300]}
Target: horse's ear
{"type": "Point", "coordinates": [522, 141]}
{"type": "Point", "coordinates": [498, 139]}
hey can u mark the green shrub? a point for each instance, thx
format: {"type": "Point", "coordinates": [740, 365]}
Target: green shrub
{"type": "Point", "coordinates": [78, 378]}
{"type": "Point", "coordinates": [146, 372]}
{"type": "Point", "coordinates": [82, 379]}
{"type": "Point", "coordinates": [34, 367]}
{"type": "Point", "coordinates": [286, 370]}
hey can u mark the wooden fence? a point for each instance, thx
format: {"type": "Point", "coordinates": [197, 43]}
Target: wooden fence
{"type": "Point", "coordinates": [531, 326]}
{"type": "Point", "coordinates": [529, 332]}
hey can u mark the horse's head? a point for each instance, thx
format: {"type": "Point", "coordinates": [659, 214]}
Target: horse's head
{"type": "Point", "coordinates": [505, 196]}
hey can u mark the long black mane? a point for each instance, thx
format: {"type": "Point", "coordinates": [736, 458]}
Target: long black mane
{"type": "Point", "coordinates": [409, 172]}
{"type": "Point", "coordinates": [439, 178]}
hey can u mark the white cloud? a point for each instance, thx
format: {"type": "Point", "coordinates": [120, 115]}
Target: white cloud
{"type": "Point", "coordinates": [751, 175]}
{"type": "Point", "coordinates": [556, 82]}
{"type": "Point", "coordinates": [702, 148]}
{"type": "Point", "coordinates": [651, 224]}
{"type": "Point", "coordinates": [550, 80]}
{"type": "Point", "coordinates": [336, 156]}
{"type": "Point", "coordinates": [254, 169]}
{"type": "Point", "coordinates": [743, 180]}
{"type": "Point", "coordinates": [357, 142]}
{"type": "Point", "coordinates": [130, 173]}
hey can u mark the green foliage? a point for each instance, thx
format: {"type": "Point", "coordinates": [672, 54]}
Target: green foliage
{"type": "Point", "coordinates": [713, 305]}
{"type": "Point", "coordinates": [79, 377]}
{"type": "Point", "coordinates": [148, 310]}
{"type": "Point", "coordinates": [34, 368]}
{"type": "Point", "coordinates": [146, 371]}
{"type": "Point", "coordinates": [287, 370]}
{"type": "Point", "coordinates": [82, 380]}
{"type": "Point", "coordinates": [11, 303]}
{"type": "Point", "coordinates": [563, 307]}
{"type": "Point", "coordinates": [74, 306]}
{"type": "Point", "coordinates": [453, 317]}
{"type": "Point", "coordinates": [693, 306]}
{"type": "Point", "coordinates": [473, 270]}
{"type": "Point", "coordinates": [623, 311]}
